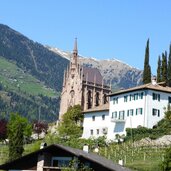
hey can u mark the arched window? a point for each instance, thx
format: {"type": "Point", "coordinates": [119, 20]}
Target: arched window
{"type": "Point", "coordinates": [105, 99]}
{"type": "Point", "coordinates": [97, 99]}
{"type": "Point", "coordinates": [89, 99]}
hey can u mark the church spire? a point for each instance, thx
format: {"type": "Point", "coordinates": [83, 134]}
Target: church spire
{"type": "Point", "coordinates": [75, 52]}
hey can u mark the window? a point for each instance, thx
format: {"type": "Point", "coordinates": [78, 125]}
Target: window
{"type": "Point", "coordinates": [156, 96]}
{"type": "Point", "coordinates": [136, 96]}
{"type": "Point", "coordinates": [130, 97]}
{"type": "Point", "coordinates": [141, 95]}
{"type": "Point", "coordinates": [91, 132]}
{"type": "Point", "coordinates": [97, 131]}
{"type": "Point", "coordinates": [127, 112]}
{"type": "Point", "coordinates": [93, 118]}
{"type": "Point", "coordinates": [156, 112]}
{"type": "Point", "coordinates": [114, 114]}
{"type": "Point", "coordinates": [131, 112]}
{"type": "Point", "coordinates": [61, 161]}
{"type": "Point", "coordinates": [169, 99]}
{"type": "Point", "coordinates": [139, 111]}
{"type": "Point", "coordinates": [121, 115]}
{"type": "Point", "coordinates": [125, 98]}
{"type": "Point", "coordinates": [115, 100]}
{"type": "Point", "coordinates": [103, 117]}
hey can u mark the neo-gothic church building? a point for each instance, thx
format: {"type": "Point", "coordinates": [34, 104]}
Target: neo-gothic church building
{"type": "Point", "coordinates": [82, 85]}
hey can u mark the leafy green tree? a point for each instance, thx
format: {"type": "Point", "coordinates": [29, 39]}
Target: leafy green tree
{"type": "Point", "coordinates": [159, 70]}
{"type": "Point", "coordinates": [70, 124]}
{"type": "Point", "coordinates": [169, 67]}
{"type": "Point", "coordinates": [147, 68]}
{"type": "Point", "coordinates": [74, 114]}
{"type": "Point", "coordinates": [164, 67]}
{"type": "Point", "coordinates": [17, 129]}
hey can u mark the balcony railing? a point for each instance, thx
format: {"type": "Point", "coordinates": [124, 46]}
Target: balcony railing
{"type": "Point", "coordinates": [118, 120]}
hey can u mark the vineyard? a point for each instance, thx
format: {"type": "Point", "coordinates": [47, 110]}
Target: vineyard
{"type": "Point", "coordinates": [141, 158]}
{"type": "Point", "coordinates": [133, 156]}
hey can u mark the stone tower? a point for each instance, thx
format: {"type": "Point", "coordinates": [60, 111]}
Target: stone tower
{"type": "Point", "coordinates": [82, 85]}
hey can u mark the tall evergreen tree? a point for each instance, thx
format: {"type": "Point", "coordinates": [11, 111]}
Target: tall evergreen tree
{"type": "Point", "coordinates": [164, 67]}
{"type": "Point", "coordinates": [147, 68]}
{"type": "Point", "coordinates": [159, 70]}
{"type": "Point", "coordinates": [17, 128]}
{"type": "Point", "coordinates": [169, 67]}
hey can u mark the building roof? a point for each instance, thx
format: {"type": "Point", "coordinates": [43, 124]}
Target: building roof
{"type": "Point", "coordinates": [22, 163]}
{"type": "Point", "coordinates": [150, 86]}
{"type": "Point", "coordinates": [104, 107]}
{"type": "Point", "coordinates": [92, 75]}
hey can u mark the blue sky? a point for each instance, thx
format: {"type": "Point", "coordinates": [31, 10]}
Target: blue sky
{"type": "Point", "coordinates": [105, 29]}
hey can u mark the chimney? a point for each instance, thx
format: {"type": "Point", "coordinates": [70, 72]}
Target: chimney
{"type": "Point", "coordinates": [43, 145]}
{"type": "Point", "coordinates": [154, 80]}
{"type": "Point", "coordinates": [85, 148]}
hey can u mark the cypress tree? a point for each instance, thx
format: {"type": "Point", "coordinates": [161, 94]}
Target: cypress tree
{"type": "Point", "coordinates": [164, 68]}
{"type": "Point", "coordinates": [169, 67]}
{"type": "Point", "coordinates": [159, 70]}
{"type": "Point", "coordinates": [147, 68]}
{"type": "Point", "coordinates": [17, 128]}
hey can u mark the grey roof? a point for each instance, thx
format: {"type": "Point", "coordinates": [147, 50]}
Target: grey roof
{"type": "Point", "coordinates": [92, 74]}
{"type": "Point", "coordinates": [104, 107]}
{"type": "Point", "coordinates": [108, 164]}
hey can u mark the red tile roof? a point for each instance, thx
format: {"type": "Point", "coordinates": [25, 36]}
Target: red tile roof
{"type": "Point", "coordinates": [150, 86]}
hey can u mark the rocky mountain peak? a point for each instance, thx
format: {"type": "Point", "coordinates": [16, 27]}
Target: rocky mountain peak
{"type": "Point", "coordinates": [120, 74]}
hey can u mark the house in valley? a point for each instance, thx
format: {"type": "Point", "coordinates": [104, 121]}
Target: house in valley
{"type": "Point", "coordinates": [130, 108]}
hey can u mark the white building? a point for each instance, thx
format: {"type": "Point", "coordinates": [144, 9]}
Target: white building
{"type": "Point", "coordinates": [139, 106]}
{"type": "Point", "coordinates": [96, 121]}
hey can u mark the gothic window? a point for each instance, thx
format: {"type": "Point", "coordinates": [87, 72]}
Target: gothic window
{"type": "Point", "coordinates": [105, 99]}
{"type": "Point", "coordinates": [89, 99]}
{"type": "Point", "coordinates": [72, 93]}
{"type": "Point", "coordinates": [97, 99]}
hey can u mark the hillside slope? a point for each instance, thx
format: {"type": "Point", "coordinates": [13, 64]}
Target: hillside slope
{"type": "Point", "coordinates": [22, 93]}
{"type": "Point", "coordinates": [32, 57]}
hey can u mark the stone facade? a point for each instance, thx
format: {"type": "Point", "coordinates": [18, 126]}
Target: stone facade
{"type": "Point", "coordinates": [82, 85]}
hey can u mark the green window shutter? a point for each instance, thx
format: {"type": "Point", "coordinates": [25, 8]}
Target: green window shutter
{"type": "Point", "coordinates": [141, 111]}
{"type": "Point", "coordinates": [127, 112]}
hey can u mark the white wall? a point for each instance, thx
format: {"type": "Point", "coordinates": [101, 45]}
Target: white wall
{"type": "Point", "coordinates": [146, 119]}
{"type": "Point", "coordinates": [119, 125]}
{"type": "Point", "coordinates": [100, 124]}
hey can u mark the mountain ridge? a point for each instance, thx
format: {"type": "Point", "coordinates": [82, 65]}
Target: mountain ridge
{"type": "Point", "coordinates": [120, 74]}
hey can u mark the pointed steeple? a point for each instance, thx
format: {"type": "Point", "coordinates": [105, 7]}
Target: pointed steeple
{"type": "Point", "coordinates": [75, 52]}
{"type": "Point", "coordinates": [75, 46]}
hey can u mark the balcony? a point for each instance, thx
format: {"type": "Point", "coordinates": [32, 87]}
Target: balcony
{"type": "Point", "coordinates": [118, 120]}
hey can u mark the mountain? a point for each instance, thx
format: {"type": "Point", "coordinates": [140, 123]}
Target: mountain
{"type": "Point", "coordinates": [32, 57]}
{"type": "Point", "coordinates": [31, 77]}
{"type": "Point", "coordinates": [121, 75]}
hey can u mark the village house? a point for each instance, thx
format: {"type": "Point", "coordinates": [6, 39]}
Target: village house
{"type": "Point", "coordinates": [58, 157]}
{"type": "Point", "coordinates": [130, 108]}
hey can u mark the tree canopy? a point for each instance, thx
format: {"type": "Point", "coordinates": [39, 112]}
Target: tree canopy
{"type": "Point", "coordinates": [147, 68]}
{"type": "Point", "coordinates": [70, 125]}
